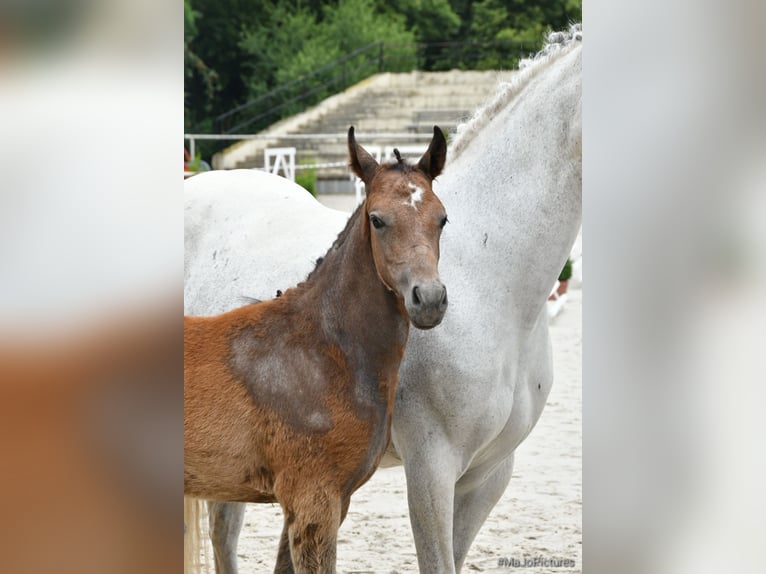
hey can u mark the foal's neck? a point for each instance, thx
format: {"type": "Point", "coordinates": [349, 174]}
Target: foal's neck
{"type": "Point", "coordinates": [356, 311]}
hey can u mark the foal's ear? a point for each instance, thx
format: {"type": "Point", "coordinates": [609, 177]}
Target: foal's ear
{"type": "Point", "coordinates": [363, 164]}
{"type": "Point", "coordinates": [432, 162]}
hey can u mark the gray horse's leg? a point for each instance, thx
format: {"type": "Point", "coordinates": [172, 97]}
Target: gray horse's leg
{"type": "Point", "coordinates": [284, 562]}
{"type": "Point", "coordinates": [430, 494]}
{"type": "Point", "coordinates": [473, 503]}
{"type": "Point", "coordinates": [225, 521]}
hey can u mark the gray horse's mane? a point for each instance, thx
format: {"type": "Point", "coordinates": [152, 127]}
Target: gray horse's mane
{"type": "Point", "coordinates": [556, 44]}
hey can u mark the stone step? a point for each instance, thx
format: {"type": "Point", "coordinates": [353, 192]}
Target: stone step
{"type": "Point", "coordinates": [386, 103]}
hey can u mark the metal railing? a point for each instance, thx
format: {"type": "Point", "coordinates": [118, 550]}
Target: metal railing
{"type": "Point", "coordinates": [302, 92]}
{"type": "Point", "coordinates": [299, 94]}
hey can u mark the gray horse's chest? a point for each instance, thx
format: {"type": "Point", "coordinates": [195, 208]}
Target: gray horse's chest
{"type": "Point", "coordinates": [488, 392]}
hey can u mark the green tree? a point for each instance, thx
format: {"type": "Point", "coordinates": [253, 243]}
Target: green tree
{"type": "Point", "coordinates": [429, 20]}
{"type": "Point", "coordinates": [218, 25]}
{"type": "Point", "coordinates": [433, 23]}
{"type": "Point", "coordinates": [518, 26]}
{"type": "Point", "coordinates": [295, 41]}
{"type": "Point", "coordinates": [237, 50]}
{"type": "Point", "coordinates": [196, 69]}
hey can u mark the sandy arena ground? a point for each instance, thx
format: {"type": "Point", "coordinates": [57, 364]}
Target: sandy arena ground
{"type": "Point", "coordinates": [539, 516]}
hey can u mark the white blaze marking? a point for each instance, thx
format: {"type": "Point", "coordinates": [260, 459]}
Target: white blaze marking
{"type": "Point", "coordinates": [416, 197]}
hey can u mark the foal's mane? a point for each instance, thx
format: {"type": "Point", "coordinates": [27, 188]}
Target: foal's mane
{"type": "Point", "coordinates": [556, 44]}
{"type": "Point", "coordinates": [339, 241]}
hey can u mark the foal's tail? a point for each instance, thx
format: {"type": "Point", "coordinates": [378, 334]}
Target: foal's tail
{"type": "Point", "coordinates": [193, 545]}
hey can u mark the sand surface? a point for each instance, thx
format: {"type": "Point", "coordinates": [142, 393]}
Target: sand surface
{"type": "Point", "coordinates": [539, 516]}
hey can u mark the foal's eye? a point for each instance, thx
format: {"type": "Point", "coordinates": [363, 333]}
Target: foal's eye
{"type": "Point", "coordinates": [443, 222]}
{"type": "Point", "coordinates": [376, 221]}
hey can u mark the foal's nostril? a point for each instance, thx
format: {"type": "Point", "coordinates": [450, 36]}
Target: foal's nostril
{"type": "Point", "coordinates": [415, 295]}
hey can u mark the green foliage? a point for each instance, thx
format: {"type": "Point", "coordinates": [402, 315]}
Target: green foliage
{"type": "Point", "coordinates": [236, 50]}
{"type": "Point", "coordinates": [218, 25]}
{"type": "Point", "coordinates": [429, 20]}
{"type": "Point", "coordinates": [190, 15]}
{"type": "Point", "coordinates": [355, 23]}
{"type": "Point", "coordinates": [566, 272]}
{"type": "Point", "coordinates": [518, 23]}
{"type": "Point", "coordinates": [197, 164]}
{"type": "Point", "coordinates": [307, 178]}
{"type": "Point", "coordinates": [294, 42]}
{"type": "Point", "coordinates": [195, 68]}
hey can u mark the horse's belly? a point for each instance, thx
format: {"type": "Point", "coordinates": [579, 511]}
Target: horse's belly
{"type": "Point", "coordinates": [220, 476]}
{"type": "Point", "coordinates": [231, 494]}
{"type": "Point", "coordinates": [530, 393]}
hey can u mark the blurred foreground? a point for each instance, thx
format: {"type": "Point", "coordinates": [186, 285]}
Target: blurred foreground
{"type": "Point", "coordinates": [91, 252]}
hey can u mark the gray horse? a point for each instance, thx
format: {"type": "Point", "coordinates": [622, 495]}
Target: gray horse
{"type": "Point", "coordinates": [471, 391]}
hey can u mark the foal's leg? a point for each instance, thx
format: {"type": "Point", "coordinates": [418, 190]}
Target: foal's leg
{"type": "Point", "coordinates": [312, 519]}
{"type": "Point", "coordinates": [225, 522]}
{"type": "Point", "coordinates": [344, 508]}
{"type": "Point", "coordinates": [473, 503]}
{"type": "Point", "coordinates": [284, 561]}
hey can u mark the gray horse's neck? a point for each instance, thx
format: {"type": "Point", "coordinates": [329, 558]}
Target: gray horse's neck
{"type": "Point", "coordinates": [516, 198]}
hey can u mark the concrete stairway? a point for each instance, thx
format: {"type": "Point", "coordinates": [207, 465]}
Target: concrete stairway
{"type": "Point", "coordinates": [385, 103]}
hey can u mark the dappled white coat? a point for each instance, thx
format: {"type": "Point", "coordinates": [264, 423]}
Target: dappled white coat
{"type": "Point", "coordinates": [248, 233]}
{"type": "Point", "coordinates": [472, 389]}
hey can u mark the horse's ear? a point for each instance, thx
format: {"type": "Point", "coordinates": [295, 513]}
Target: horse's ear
{"type": "Point", "coordinates": [362, 163]}
{"type": "Point", "coordinates": [432, 162]}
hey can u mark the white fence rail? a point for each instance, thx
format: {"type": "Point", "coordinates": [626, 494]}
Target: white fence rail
{"type": "Point", "coordinates": [284, 158]}
{"type": "Point", "coordinates": [372, 138]}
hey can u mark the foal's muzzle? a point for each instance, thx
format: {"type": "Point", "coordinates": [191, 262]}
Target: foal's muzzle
{"type": "Point", "coordinates": [426, 304]}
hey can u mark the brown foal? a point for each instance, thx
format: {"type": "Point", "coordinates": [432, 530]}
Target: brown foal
{"type": "Point", "coordinates": [290, 400]}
